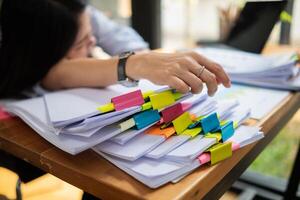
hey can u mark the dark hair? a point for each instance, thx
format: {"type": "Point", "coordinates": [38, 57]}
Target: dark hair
{"type": "Point", "coordinates": [36, 34]}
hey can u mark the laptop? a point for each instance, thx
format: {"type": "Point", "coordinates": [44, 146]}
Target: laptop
{"type": "Point", "coordinates": [253, 27]}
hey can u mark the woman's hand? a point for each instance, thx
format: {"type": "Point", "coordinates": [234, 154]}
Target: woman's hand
{"type": "Point", "coordinates": [181, 71]}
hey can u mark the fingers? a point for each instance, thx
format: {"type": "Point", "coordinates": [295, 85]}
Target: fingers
{"type": "Point", "coordinates": [213, 67]}
{"type": "Point", "coordinates": [211, 82]}
{"type": "Point", "coordinates": [197, 75]}
{"type": "Point", "coordinates": [178, 84]}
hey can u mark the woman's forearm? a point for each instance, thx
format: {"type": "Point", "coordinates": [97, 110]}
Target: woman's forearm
{"type": "Point", "coordinates": [87, 72]}
{"type": "Point", "coordinates": [181, 71]}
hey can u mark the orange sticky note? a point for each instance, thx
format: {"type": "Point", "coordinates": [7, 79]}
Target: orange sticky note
{"type": "Point", "coordinates": [167, 132]}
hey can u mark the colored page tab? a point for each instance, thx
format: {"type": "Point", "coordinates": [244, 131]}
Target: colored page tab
{"type": "Point", "coordinates": [192, 132]}
{"type": "Point", "coordinates": [146, 106]}
{"type": "Point", "coordinates": [182, 122]}
{"type": "Point", "coordinates": [147, 94]}
{"type": "Point", "coordinates": [218, 136]}
{"type": "Point", "coordinates": [172, 112]}
{"type": "Point", "coordinates": [106, 108]}
{"type": "Point", "coordinates": [155, 130]}
{"type": "Point", "coordinates": [128, 100]}
{"type": "Point", "coordinates": [127, 124]}
{"type": "Point", "coordinates": [146, 118]}
{"type": "Point", "coordinates": [4, 115]}
{"type": "Point", "coordinates": [162, 99]}
{"type": "Point", "coordinates": [177, 95]}
{"type": "Point", "coordinates": [227, 131]}
{"type": "Point", "coordinates": [209, 123]}
{"type": "Point", "coordinates": [220, 152]}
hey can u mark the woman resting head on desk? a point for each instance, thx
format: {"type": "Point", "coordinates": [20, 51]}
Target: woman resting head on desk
{"type": "Point", "coordinates": [49, 42]}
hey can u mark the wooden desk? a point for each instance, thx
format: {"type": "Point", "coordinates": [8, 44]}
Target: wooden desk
{"type": "Point", "coordinates": [97, 176]}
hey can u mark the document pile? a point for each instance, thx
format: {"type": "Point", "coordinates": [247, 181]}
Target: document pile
{"type": "Point", "coordinates": [151, 132]}
{"type": "Point", "coordinates": [277, 71]}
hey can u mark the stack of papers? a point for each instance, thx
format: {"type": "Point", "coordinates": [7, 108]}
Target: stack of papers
{"type": "Point", "coordinates": [274, 71]}
{"type": "Point", "coordinates": [152, 132]}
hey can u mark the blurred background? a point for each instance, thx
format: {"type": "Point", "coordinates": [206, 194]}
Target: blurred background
{"type": "Point", "coordinates": [182, 24]}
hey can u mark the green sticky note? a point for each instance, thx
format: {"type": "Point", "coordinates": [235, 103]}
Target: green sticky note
{"type": "Point", "coordinates": [182, 122]}
{"type": "Point", "coordinates": [106, 108]}
{"type": "Point", "coordinates": [177, 95]}
{"type": "Point", "coordinates": [192, 132]}
{"type": "Point", "coordinates": [127, 124]}
{"type": "Point", "coordinates": [146, 106]}
{"type": "Point", "coordinates": [220, 152]}
{"type": "Point", "coordinates": [161, 100]}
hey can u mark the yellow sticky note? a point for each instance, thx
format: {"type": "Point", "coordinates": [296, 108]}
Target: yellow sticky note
{"type": "Point", "coordinates": [220, 152]}
{"type": "Point", "coordinates": [127, 124]}
{"type": "Point", "coordinates": [182, 122]}
{"type": "Point", "coordinates": [161, 100]}
{"type": "Point", "coordinates": [218, 136]}
{"type": "Point", "coordinates": [192, 132]}
{"type": "Point", "coordinates": [147, 94]}
{"type": "Point", "coordinates": [146, 106]}
{"type": "Point", "coordinates": [106, 108]}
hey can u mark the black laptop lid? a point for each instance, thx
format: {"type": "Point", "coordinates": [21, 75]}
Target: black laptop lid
{"type": "Point", "coordinates": [253, 27]}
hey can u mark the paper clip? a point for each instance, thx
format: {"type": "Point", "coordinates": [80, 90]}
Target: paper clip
{"type": "Point", "coordinates": [128, 100]}
{"type": "Point", "coordinates": [161, 100]}
{"type": "Point", "coordinates": [146, 118]}
{"type": "Point", "coordinates": [182, 122]}
{"type": "Point", "coordinates": [171, 112]}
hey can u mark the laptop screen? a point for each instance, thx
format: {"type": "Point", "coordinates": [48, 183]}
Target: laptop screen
{"type": "Point", "coordinates": [253, 27]}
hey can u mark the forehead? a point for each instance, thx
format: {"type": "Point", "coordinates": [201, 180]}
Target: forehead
{"type": "Point", "coordinates": [84, 24]}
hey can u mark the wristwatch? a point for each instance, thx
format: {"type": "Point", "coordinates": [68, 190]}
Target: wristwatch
{"type": "Point", "coordinates": [123, 79]}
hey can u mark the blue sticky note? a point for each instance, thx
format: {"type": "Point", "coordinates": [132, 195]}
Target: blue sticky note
{"type": "Point", "coordinates": [209, 123]}
{"type": "Point", "coordinates": [227, 131]}
{"type": "Point", "coordinates": [146, 118]}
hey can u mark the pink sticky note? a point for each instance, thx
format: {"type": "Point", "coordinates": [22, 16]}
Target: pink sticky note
{"type": "Point", "coordinates": [128, 100]}
{"type": "Point", "coordinates": [204, 158]}
{"type": "Point", "coordinates": [172, 112]}
{"type": "Point", "coordinates": [235, 146]}
{"type": "Point", "coordinates": [186, 106]}
{"type": "Point", "coordinates": [3, 114]}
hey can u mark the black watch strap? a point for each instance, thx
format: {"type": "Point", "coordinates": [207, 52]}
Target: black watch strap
{"type": "Point", "coordinates": [122, 65]}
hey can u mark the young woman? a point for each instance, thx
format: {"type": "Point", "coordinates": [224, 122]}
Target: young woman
{"type": "Point", "coordinates": [49, 42]}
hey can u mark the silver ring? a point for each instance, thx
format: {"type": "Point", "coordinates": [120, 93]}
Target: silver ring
{"type": "Point", "coordinates": [201, 70]}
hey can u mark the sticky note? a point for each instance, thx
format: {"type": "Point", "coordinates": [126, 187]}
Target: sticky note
{"type": "Point", "coordinates": [106, 108]}
{"type": "Point", "coordinates": [156, 130]}
{"type": "Point", "coordinates": [218, 136]}
{"type": "Point", "coordinates": [182, 122]}
{"type": "Point", "coordinates": [146, 106]}
{"type": "Point", "coordinates": [227, 131]}
{"type": "Point", "coordinates": [162, 99]}
{"type": "Point", "coordinates": [147, 94]}
{"type": "Point", "coordinates": [146, 118]}
{"type": "Point", "coordinates": [192, 132]}
{"type": "Point", "coordinates": [128, 100]}
{"type": "Point", "coordinates": [209, 123]}
{"type": "Point", "coordinates": [177, 95]}
{"type": "Point", "coordinates": [4, 115]}
{"type": "Point", "coordinates": [127, 124]}
{"type": "Point", "coordinates": [220, 152]}
{"type": "Point", "coordinates": [172, 112]}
